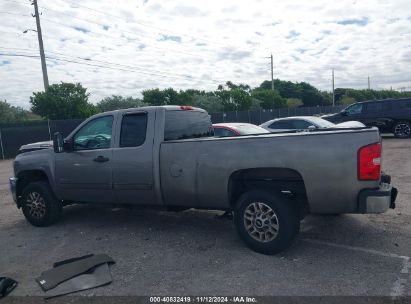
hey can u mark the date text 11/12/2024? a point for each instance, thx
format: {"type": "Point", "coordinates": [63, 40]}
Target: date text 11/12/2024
{"type": "Point", "coordinates": [203, 299]}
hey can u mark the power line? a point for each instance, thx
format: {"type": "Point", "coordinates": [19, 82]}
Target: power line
{"type": "Point", "coordinates": [111, 36]}
{"type": "Point", "coordinates": [86, 20]}
{"type": "Point", "coordinates": [18, 49]}
{"type": "Point", "coordinates": [130, 32]}
{"type": "Point", "coordinates": [185, 77]}
{"type": "Point", "coordinates": [123, 38]}
{"type": "Point", "coordinates": [20, 55]}
{"type": "Point", "coordinates": [14, 14]}
{"type": "Point", "coordinates": [111, 68]}
{"type": "Point", "coordinates": [146, 25]}
{"type": "Point", "coordinates": [104, 62]}
{"type": "Point", "coordinates": [14, 1]}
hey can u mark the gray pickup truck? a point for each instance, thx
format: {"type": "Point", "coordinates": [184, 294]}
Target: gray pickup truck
{"type": "Point", "coordinates": [167, 156]}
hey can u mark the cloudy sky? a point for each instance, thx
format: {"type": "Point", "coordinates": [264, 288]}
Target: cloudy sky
{"type": "Point", "coordinates": [126, 46]}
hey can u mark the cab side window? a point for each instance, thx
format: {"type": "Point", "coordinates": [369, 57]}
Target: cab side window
{"type": "Point", "coordinates": [96, 134]}
{"type": "Point", "coordinates": [354, 109]}
{"type": "Point", "coordinates": [133, 130]}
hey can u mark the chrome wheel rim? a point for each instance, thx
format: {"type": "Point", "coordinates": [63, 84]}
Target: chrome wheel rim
{"type": "Point", "coordinates": [36, 205]}
{"type": "Point", "coordinates": [403, 130]}
{"type": "Point", "coordinates": [261, 222]}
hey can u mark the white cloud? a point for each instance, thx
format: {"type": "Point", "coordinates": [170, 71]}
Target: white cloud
{"type": "Point", "coordinates": [199, 44]}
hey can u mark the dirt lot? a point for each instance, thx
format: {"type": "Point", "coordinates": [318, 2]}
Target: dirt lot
{"type": "Point", "coordinates": [194, 253]}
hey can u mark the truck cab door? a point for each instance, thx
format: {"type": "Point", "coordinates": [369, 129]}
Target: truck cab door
{"type": "Point", "coordinates": [85, 174]}
{"type": "Point", "coordinates": [133, 180]}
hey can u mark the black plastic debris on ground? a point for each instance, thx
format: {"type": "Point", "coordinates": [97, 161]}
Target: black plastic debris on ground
{"type": "Point", "coordinates": [6, 286]}
{"type": "Point", "coordinates": [76, 274]}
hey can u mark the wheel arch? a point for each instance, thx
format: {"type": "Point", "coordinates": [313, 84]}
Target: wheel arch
{"type": "Point", "coordinates": [286, 181]}
{"type": "Point", "coordinates": [26, 177]}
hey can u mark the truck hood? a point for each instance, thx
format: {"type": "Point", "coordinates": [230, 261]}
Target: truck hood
{"type": "Point", "coordinates": [328, 115]}
{"type": "Point", "coordinates": [350, 124]}
{"type": "Point", "coordinates": [36, 146]}
{"type": "Point", "coordinates": [335, 118]}
{"type": "Point", "coordinates": [40, 159]}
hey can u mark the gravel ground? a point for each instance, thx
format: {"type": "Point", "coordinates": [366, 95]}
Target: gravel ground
{"type": "Point", "coordinates": [195, 253]}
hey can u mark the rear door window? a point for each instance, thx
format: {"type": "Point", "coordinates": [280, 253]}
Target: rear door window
{"type": "Point", "coordinates": [223, 132]}
{"type": "Point", "coordinates": [405, 103]}
{"type": "Point", "coordinates": [300, 124]}
{"type": "Point", "coordinates": [386, 106]}
{"type": "Point", "coordinates": [281, 124]}
{"type": "Point", "coordinates": [373, 107]}
{"type": "Point", "coordinates": [133, 130]}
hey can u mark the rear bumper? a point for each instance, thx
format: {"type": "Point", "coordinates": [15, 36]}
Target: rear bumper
{"type": "Point", "coordinates": [378, 200]}
{"type": "Point", "coordinates": [13, 186]}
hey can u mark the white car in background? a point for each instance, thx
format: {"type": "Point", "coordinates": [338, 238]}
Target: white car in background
{"type": "Point", "coordinates": [236, 129]}
{"type": "Point", "coordinates": [350, 124]}
{"type": "Point", "coordinates": [305, 123]}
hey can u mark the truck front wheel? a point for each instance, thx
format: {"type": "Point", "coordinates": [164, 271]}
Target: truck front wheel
{"type": "Point", "coordinates": [266, 222]}
{"type": "Point", "coordinates": [40, 207]}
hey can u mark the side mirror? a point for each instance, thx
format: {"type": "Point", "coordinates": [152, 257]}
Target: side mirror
{"type": "Point", "coordinates": [344, 113]}
{"type": "Point", "coordinates": [310, 128]}
{"type": "Point", "coordinates": [58, 142]}
{"type": "Point", "coordinates": [68, 145]}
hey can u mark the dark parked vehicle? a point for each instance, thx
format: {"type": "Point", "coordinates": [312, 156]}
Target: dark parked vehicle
{"type": "Point", "coordinates": [389, 115]}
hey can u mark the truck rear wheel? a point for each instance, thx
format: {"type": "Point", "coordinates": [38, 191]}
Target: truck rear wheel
{"type": "Point", "coordinates": [39, 205]}
{"type": "Point", "coordinates": [265, 221]}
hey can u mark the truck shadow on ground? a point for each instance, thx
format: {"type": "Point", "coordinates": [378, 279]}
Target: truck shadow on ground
{"type": "Point", "coordinates": [201, 229]}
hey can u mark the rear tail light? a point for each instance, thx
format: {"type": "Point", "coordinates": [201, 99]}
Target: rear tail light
{"type": "Point", "coordinates": [186, 108]}
{"type": "Point", "coordinates": [369, 162]}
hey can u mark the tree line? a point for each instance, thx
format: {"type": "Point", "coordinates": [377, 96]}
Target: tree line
{"type": "Point", "coordinates": [71, 100]}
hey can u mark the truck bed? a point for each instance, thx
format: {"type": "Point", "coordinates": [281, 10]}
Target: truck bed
{"type": "Point", "coordinates": [191, 174]}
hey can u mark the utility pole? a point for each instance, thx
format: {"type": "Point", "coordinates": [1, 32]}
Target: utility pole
{"type": "Point", "coordinates": [42, 56]}
{"type": "Point", "coordinates": [369, 83]}
{"type": "Point", "coordinates": [333, 87]}
{"type": "Point", "coordinates": [272, 73]}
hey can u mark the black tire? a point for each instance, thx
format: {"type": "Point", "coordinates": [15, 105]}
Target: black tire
{"type": "Point", "coordinates": [286, 216]}
{"type": "Point", "coordinates": [402, 129]}
{"type": "Point", "coordinates": [39, 205]}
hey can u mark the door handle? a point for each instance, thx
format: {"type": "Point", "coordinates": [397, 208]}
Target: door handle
{"type": "Point", "coordinates": [101, 159]}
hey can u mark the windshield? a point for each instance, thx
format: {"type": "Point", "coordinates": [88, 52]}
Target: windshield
{"type": "Point", "coordinates": [322, 123]}
{"type": "Point", "coordinates": [354, 109]}
{"type": "Point", "coordinates": [249, 129]}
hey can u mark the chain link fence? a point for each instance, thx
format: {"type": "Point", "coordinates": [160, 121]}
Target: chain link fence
{"type": "Point", "coordinates": [13, 136]}
{"type": "Point", "coordinates": [257, 117]}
